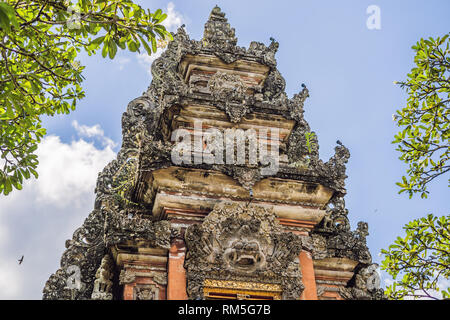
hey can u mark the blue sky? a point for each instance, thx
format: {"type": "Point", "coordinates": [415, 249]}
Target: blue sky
{"type": "Point", "coordinates": [348, 69]}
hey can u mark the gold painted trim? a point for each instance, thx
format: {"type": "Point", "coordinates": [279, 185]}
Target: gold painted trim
{"type": "Point", "coordinates": [242, 285]}
{"type": "Point", "coordinates": [242, 290]}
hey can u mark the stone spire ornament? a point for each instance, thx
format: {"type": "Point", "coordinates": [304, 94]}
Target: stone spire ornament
{"type": "Point", "coordinates": [218, 32]}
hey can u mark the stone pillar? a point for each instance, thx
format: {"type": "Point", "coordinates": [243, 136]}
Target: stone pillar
{"type": "Point", "coordinates": [128, 291]}
{"type": "Point", "coordinates": [143, 272]}
{"type": "Point", "coordinates": [333, 274]}
{"type": "Point", "coordinates": [308, 277]}
{"type": "Point", "coordinates": [176, 285]}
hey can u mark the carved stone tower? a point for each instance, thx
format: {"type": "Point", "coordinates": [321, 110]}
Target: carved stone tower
{"type": "Point", "coordinates": [184, 212]}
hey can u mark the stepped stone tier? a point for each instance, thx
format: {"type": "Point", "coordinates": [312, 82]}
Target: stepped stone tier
{"type": "Point", "coordinates": [161, 229]}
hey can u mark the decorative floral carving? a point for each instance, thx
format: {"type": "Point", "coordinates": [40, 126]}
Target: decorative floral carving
{"type": "Point", "coordinates": [102, 229]}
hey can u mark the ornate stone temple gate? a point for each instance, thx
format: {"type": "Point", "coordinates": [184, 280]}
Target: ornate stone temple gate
{"type": "Point", "coordinates": [169, 223]}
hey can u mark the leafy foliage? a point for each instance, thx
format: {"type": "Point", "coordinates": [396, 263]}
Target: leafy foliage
{"type": "Point", "coordinates": [310, 144]}
{"type": "Point", "coordinates": [39, 73]}
{"type": "Point", "coordinates": [424, 142]}
{"type": "Point", "coordinates": [420, 259]}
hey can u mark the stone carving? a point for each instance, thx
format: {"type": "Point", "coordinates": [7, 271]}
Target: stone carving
{"type": "Point", "coordinates": [364, 286]}
{"type": "Point", "coordinates": [274, 86]}
{"type": "Point", "coordinates": [146, 292]}
{"type": "Point", "coordinates": [336, 218]}
{"type": "Point", "coordinates": [320, 291]}
{"type": "Point", "coordinates": [319, 250]}
{"type": "Point", "coordinates": [103, 280]}
{"type": "Point", "coordinates": [120, 228]}
{"type": "Point", "coordinates": [296, 104]}
{"type": "Point", "coordinates": [228, 92]}
{"type": "Point", "coordinates": [242, 285]}
{"type": "Point", "coordinates": [336, 165]}
{"type": "Point", "coordinates": [269, 56]}
{"type": "Point", "coordinates": [219, 36]}
{"type": "Point", "coordinates": [333, 238]}
{"type": "Point", "coordinates": [242, 243]}
{"type": "Point", "coordinates": [154, 154]}
{"type": "Point", "coordinates": [348, 244]}
{"type": "Point", "coordinates": [126, 276]}
{"type": "Point", "coordinates": [246, 176]}
{"type": "Point", "coordinates": [86, 250]}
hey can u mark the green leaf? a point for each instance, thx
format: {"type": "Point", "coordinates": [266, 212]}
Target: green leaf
{"type": "Point", "coordinates": [157, 14]}
{"type": "Point", "coordinates": [105, 50]}
{"type": "Point", "coordinates": [7, 17]}
{"type": "Point", "coordinates": [154, 46]}
{"type": "Point", "coordinates": [112, 49]}
{"type": "Point", "coordinates": [146, 46]}
{"type": "Point", "coordinates": [35, 93]}
{"type": "Point", "coordinates": [8, 186]}
{"type": "Point", "coordinates": [4, 20]}
{"type": "Point", "coordinates": [97, 41]}
{"type": "Point", "coordinates": [132, 46]}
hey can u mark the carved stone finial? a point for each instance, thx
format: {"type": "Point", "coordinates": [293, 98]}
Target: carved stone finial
{"type": "Point", "coordinates": [218, 31]}
{"type": "Point", "coordinates": [297, 102]}
{"type": "Point", "coordinates": [362, 230]}
{"type": "Point", "coordinates": [273, 45]}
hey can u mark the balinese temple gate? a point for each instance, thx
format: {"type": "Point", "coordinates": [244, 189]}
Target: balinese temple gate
{"type": "Point", "coordinates": [218, 191]}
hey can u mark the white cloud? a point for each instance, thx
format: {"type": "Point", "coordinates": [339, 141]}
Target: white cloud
{"type": "Point", "coordinates": [10, 280]}
{"type": "Point", "coordinates": [93, 132]}
{"type": "Point", "coordinates": [121, 62]}
{"type": "Point", "coordinates": [174, 18]}
{"type": "Point", "coordinates": [36, 221]}
{"type": "Point", "coordinates": [173, 21]}
{"type": "Point", "coordinates": [442, 284]}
